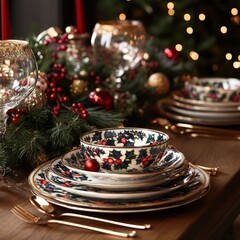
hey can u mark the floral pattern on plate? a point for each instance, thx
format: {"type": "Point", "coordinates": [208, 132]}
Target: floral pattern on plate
{"type": "Point", "coordinates": [39, 183]}
{"type": "Point", "coordinates": [149, 192]}
{"type": "Point", "coordinates": [171, 160]}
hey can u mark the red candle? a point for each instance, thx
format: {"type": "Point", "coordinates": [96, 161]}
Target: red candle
{"type": "Point", "coordinates": [80, 16]}
{"type": "Point", "coordinates": [5, 17]}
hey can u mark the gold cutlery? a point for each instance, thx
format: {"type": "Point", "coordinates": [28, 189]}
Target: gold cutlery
{"type": "Point", "coordinates": [44, 206]}
{"type": "Point", "coordinates": [197, 131]}
{"type": "Point", "coordinates": [31, 218]}
{"type": "Point", "coordinates": [211, 170]}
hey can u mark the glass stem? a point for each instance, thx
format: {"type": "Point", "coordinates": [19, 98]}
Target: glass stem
{"type": "Point", "coordinates": [3, 122]}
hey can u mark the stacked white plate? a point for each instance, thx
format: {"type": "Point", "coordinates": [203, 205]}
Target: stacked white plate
{"type": "Point", "coordinates": [180, 107]}
{"type": "Point", "coordinates": [172, 182]}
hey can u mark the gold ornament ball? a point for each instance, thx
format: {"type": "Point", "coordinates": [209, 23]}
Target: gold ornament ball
{"type": "Point", "coordinates": [78, 87]}
{"type": "Point", "coordinates": [160, 82]}
{"type": "Point", "coordinates": [37, 99]}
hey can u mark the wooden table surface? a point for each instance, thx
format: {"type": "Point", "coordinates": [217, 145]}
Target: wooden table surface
{"type": "Point", "coordinates": [207, 218]}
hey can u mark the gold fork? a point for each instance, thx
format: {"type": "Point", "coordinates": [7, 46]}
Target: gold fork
{"type": "Point", "coordinates": [197, 131]}
{"type": "Point", "coordinates": [31, 218]}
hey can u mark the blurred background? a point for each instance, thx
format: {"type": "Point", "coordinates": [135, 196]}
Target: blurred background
{"type": "Point", "coordinates": [199, 36]}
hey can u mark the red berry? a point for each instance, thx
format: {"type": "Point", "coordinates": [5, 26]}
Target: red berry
{"type": "Point", "coordinates": [103, 142]}
{"type": "Point", "coordinates": [15, 120]}
{"type": "Point", "coordinates": [92, 165]}
{"type": "Point", "coordinates": [110, 160]}
{"type": "Point", "coordinates": [119, 161]}
{"type": "Point", "coordinates": [123, 140]}
{"type": "Point", "coordinates": [74, 105]}
{"type": "Point", "coordinates": [65, 99]}
{"type": "Point", "coordinates": [84, 115]}
{"type": "Point", "coordinates": [53, 96]}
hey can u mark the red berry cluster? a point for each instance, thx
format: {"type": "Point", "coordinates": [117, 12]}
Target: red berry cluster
{"type": "Point", "coordinates": [79, 108]}
{"type": "Point", "coordinates": [112, 161]}
{"type": "Point", "coordinates": [15, 113]}
{"type": "Point", "coordinates": [56, 94]}
{"type": "Point", "coordinates": [55, 91]}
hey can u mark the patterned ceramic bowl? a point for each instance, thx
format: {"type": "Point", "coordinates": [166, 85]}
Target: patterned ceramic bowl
{"type": "Point", "coordinates": [124, 150]}
{"type": "Point", "coordinates": [214, 89]}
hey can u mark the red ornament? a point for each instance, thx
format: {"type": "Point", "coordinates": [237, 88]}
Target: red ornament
{"type": "Point", "coordinates": [92, 165]}
{"type": "Point", "coordinates": [102, 98]}
{"type": "Point", "coordinates": [171, 53]}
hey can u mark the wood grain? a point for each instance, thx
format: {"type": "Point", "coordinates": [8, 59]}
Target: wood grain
{"type": "Point", "coordinates": [207, 218]}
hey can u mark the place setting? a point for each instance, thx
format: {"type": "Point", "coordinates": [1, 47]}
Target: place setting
{"type": "Point", "coordinates": [120, 170]}
{"type": "Point", "coordinates": [204, 101]}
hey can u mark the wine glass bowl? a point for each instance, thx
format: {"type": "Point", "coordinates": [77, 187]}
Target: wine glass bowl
{"type": "Point", "coordinates": [119, 44]}
{"type": "Point", "coordinates": [18, 76]}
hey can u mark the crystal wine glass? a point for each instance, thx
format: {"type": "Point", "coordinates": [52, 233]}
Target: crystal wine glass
{"type": "Point", "coordinates": [120, 45]}
{"type": "Point", "coordinates": [18, 76]}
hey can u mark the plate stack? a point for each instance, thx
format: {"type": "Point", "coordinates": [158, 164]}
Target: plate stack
{"type": "Point", "coordinates": [169, 183]}
{"type": "Point", "coordinates": [214, 101]}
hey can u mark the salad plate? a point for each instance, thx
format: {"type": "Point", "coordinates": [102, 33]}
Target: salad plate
{"type": "Point", "coordinates": [70, 177]}
{"type": "Point", "coordinates": [40, 185]}
{"type": "Point", "coordinates": [150, 192]}
{"type": "Point", "coordinates": [171, 160]}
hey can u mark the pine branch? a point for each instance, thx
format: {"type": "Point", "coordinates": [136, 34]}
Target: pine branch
{"type": "Point", "coordinates": [102, 118]}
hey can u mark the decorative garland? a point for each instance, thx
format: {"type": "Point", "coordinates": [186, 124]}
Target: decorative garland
{"type": "Point", "coordinates": [73, 96]}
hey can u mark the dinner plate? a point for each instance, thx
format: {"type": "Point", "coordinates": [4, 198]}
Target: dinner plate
{"type": "Point", "coordinates": [182, 96]}
{"type": "Point", "coordinates": [202, 114]}
{"type": "Point", "coordinates": [147, 209]}
{"type": "Point", "coordinates": [70, 177]}
{"type": "Point", "coordinates": [150, 192]}
{"type": "Point", "coordinates": [39, 184]}
{"type": "Point", "coordinates": [204, 108]}
{"type": "Point", "coordinates": [168, 113]}
{"type": "Point", "coordinates": [172, 159]}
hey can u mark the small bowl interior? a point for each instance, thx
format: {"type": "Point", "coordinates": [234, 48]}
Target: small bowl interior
{"type": "Point", "coordinates": [125, 137]}
{"type": "Point", "coordinates": [217, 83]}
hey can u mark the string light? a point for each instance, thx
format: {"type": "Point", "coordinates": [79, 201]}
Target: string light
{"type": "Point", "coordinates": [187, 17]}
{"type": "Point", "coordinates": [179, 47]}
{"type": "Point", "coordinates": [189, 30]}
{"type": "Point", "coordinates": [234, 11]}
{"type": "Point", "coordinates": [170, 5]}
{"type": "Point", "coordinates": [194, 55]}
{"type": "Point", "coordinates": [236, 64]}
{"type": "Point", "coordinates": [171, 12]}
{"type": "Point", "coordinates": [223, 29]}
{"type": "Point", "coordinates": [122, 16]}
{"type": "Point", "coordinates": [202, 17]}
{"type": "Point", "coordinates": [228, 56]}
{"type": "Point", "coordinates": [239, 57]}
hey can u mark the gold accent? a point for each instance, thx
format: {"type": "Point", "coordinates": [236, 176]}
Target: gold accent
{"type": "Point", "coordinates": [11, 49]}
{"type": "Point", "coordinates": [31, 218]}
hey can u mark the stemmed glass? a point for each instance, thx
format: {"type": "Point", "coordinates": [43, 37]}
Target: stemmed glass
{"type": "Point", "coordinates": [18, 76]}
{"type": "Point", "coordinates": [120, 45]}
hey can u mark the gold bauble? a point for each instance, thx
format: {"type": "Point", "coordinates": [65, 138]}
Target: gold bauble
{"type": "Point", "coordinates": [37, 99]}
{"type": "Point", "coordinates": [78, 87]}
{"type": "Point", "coordinates": [160, 82]}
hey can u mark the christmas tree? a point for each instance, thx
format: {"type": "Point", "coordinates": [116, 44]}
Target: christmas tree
{"type": "Point", "coordinates": [202, 36]}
